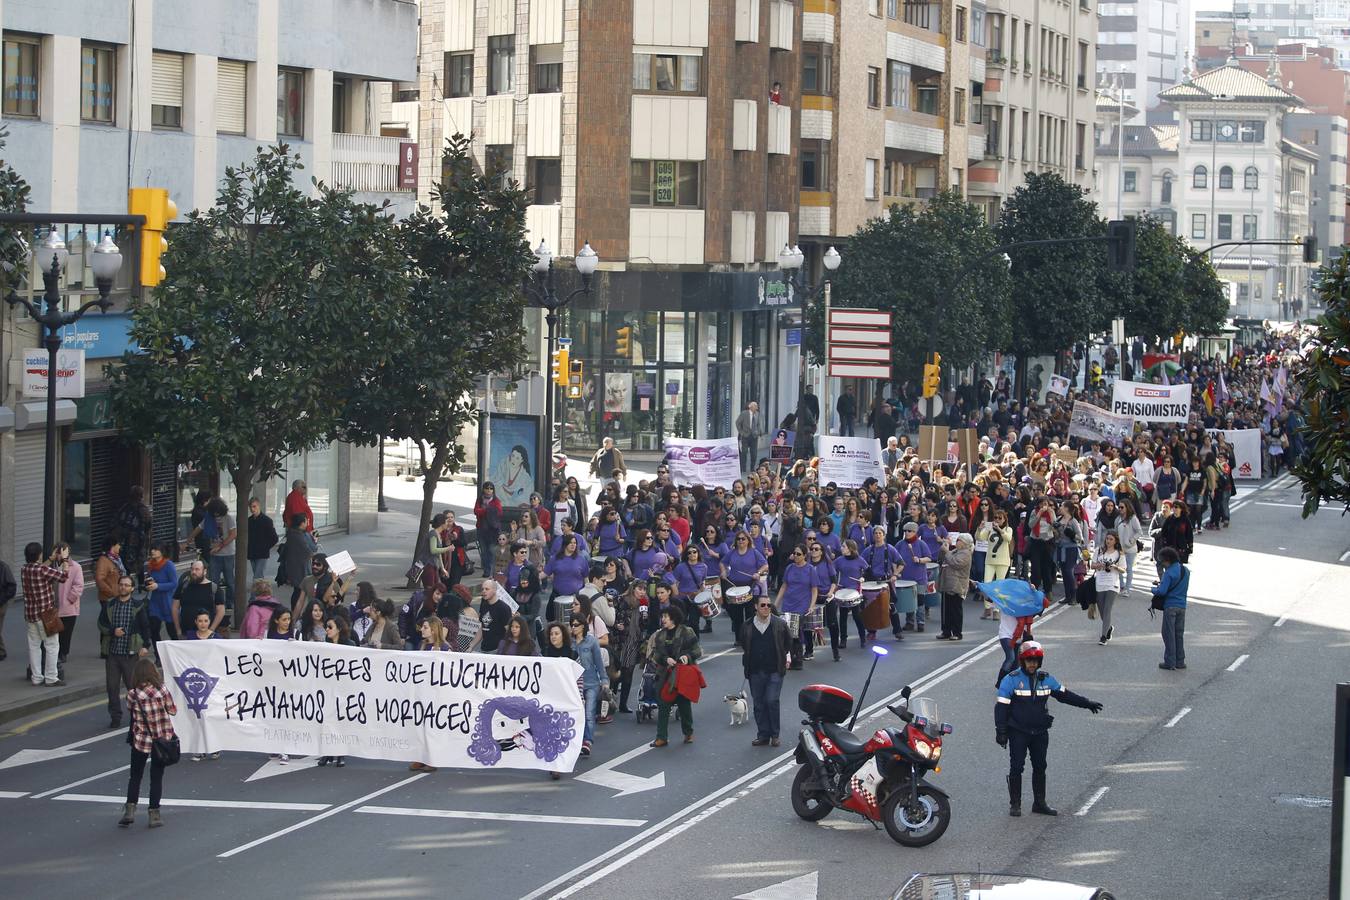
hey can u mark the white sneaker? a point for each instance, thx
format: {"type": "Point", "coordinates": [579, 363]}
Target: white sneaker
{"type": "Point", "coordinates": [216, 755]}
{"type": "Point", "coordinates": [198, 757]}
{"type": "Point", "coordinates": [284, 758]}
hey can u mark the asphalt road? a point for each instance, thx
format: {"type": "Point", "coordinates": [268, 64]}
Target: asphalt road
{"type": "Point", "coordinates": [1224, 801]}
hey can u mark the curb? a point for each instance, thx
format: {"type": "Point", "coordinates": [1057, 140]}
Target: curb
{"type": "Point", "coordinates": [43, 700]}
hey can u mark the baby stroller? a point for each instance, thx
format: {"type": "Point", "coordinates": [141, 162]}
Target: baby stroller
{"type": "Point", "coordinates": [646, 708]}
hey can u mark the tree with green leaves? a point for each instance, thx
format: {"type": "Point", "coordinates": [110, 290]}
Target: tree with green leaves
{"type": "Point", "coordinates": [1324, 378]}
{"type": "Point", "coordinates": [1152, 297]}
{"type": "Point", "coordinates": [933, 270]}
{"type": "Point", "coordinates": [1206, 307]}
{"type": "Point", "coordinates": [276, 303]}
{"type": "Point", "coordinates": [464, 316]}
{"type": "Point", "coordinates": [14, 192]}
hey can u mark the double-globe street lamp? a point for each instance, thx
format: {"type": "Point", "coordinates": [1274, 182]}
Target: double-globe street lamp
{"type": "Point", "coordinates": [790, 260]}
{"type": "Point", "coordinates": [50, 257]}
{"type": "Point", "coordinates": [543, 293]}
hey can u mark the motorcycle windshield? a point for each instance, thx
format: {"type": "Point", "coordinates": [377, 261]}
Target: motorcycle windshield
{"type": "Point", "coordinates": [926, 707]}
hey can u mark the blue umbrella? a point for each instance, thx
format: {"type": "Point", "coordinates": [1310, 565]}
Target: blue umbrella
{"type": "Point", "coordinates": [1014, 596]}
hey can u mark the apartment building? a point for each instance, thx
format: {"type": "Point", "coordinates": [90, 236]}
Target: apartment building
{"type": "Point", "coordinates": [664, 134]}
{"type": "Point", "coordinates": [1144, 43]}
{"type": "Point", "coordinates": [99, 98]}
{"type": "Point", "coordinates": [1038, 96]}
{"type": "Point", "coordinates": [1229, 170]}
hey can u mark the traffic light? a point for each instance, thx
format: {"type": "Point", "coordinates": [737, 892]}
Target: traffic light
{"type": "Point", "coordinates": [1310, 249]}
{"type": "Point", "coordinates": [158, 209]}
{"type": "Point", "coordinates": [575, 377]}
{"type": "Point", "coordinates": [558, 370]}
{"type": "Point", "coordinates": [932, 376]}
{"type": "Point", "coordinates": [623, 347]}
{"type": "Point", "coordinates": [1120, 245]}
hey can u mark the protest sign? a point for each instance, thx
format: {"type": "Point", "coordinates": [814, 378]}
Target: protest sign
{"type": "Point", "coordinates": [711, 462]}
{"type": "Point", "coordinates": [341, 563]}
{"type": "Point", "coordinates": [1070, 457]}
{"type": "Point", "coordinates": [848, 461]}
{"type": "Point", "coordinates": [1059, 384]}
{"type": "Point", "coordinates": [968, 444]}
{"type": "Point", "coordinates": [1093, 423]}
{"type": "Point", "coordinates": [1152, 402]}
{"type": "Point", "coordinates": [933, 442]}
{"type": "Point", "coordinates": [466, 710]}
{"type": "Point", "coordinates": [1246, 450]}
{"type": "Point", "coordinates": [780, 446]}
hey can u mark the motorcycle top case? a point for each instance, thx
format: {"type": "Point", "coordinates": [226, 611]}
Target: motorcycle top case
{"type": "Point", "coordinates": [822, 701]}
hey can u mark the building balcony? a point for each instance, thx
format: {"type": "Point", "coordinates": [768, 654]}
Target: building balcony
{"type": "Point", "coordinates": [913, 132]}
{"type": "Point", "coordinates": [366, 163]}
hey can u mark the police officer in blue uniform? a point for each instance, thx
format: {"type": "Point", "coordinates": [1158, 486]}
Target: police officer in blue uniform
{"type": "Point", "coordinates": [1022, 723]}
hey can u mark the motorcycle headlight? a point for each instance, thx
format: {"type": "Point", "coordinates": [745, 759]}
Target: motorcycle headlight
{"type": "Point", "coordinates": [937, 753]}
{"type": "Point", "coordinates": [924, 749]}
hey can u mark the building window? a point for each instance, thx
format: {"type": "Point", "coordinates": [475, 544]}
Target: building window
{"type": "Point", "coordinates": [291, 102]}
{"type": "Point", "coordinates": [1253, 132]}
{"type": "Point", "coordinates": [870, 179]}
{"type": "Point", "coordinates": [1249, 227]}
{"type": "Point", "coordinates": [873, 86]}
{"type": "Point", "coordinates": [892, 9]}
{"type": "Point", "coordinates": [977, 27]}
{"type": "Point", "coordinates": [501, 51]}
{"type": "Point", "coordinates": [1200, 178]}
{"type": "Point", "coordinates": [976, 102]}
{"type": "Point", "coordinates": [1131, 181]}
{"type": "Point", "coordinates": [959, 106]}
{"type": "Point", "coordinates": [166, 90]}
{"type": "Point", "coordinates": [1082, 65]}
{"type": "Point", "coordinates": [21, 76]}
{"type": "Point", "coordinates": [231, 96]}
{"type": "Point", "coordinates": [546, 69]}
{"type": "Point", "coordinates": [1225, 227]}
{"type": "Point", "coordinates": [815, 165]}
{"type": "Point", "coordinates": [664, 182]}
{"type": "Point", "coordinates": [1226, 178]}
{"type": "Point", "coordinates": [1251, 179]}
{"type": "Point", "coordinates": [1167, 187]}
{"type": "Point", "coordinates": [546, 181]}
{"type": "Point", "coordinates": [459, 74]}
{"type": "Point", "coordinates": [817, 61]}
{"type": "Point", "coordinates": [897, 84]}
{"type": "Point", "coordinates": [918, 13]}
{"type": "Point", "coordinates": [960, 23]}
{"type": "Point", "coordinates": [1202, 130]}
{"type": "Point", "coordinates": [98, 78]}
{"type": "Point", "coordinates": [1197, 225]}
{"type": "Point", "coordinates": [667, 73]}
{"type": "Point", "coordinates": [340, 95]}
{"type": "Point", "coordinates": [926, 97]}
{"type": "Point", "coordinates": [893, 173]}
{"type": "Point", "coordinates": [499, 164]}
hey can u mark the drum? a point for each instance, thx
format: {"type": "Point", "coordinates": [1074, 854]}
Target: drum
{"type": "Point", "coordinates": [562, 607]}
{"type": "Point", "coordinates": [794, 624]}
{"type": "Point", "coordinates": [933, 598]}
{"type": "Point", "coordinates": [872, 589]}
{"type": "Point", "coordinates": [707, 606]}
{"type": "Point", "coordinates": [877, 612]}
{"type": "Point", "coordinates": [906, 597]}
{"type": "Point", "coordinates": [815, 621]}
{"type": "Point", "coordinates": [847, 598]}
{"type": "Point", "coordinates": [738, 595]}
{"type": "Point", "coordinates": [713, 585]}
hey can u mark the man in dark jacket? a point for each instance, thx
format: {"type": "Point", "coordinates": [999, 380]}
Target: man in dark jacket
{"type": "Point", "coordinates": [9, 588]}
{"type": "Point", "coordinates": [124, 629]}
{"type": "Point", "coordinates": [847, 407]}
{"type": "Point", "coordinates": [262, 539]}
{"type": "Point", "coordinates": [766, 641]}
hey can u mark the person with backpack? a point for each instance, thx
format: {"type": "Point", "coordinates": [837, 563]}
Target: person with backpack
{"type": "Point", "coordinates": [1169, 596]}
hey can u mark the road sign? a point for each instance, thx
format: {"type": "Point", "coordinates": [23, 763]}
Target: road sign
{"type": "Point", "coordinates": [859, 370]}
{"type": "Point", "coordinates": [859, 335]}
{"type": "Point", "coordinates": [860, 353]}
{"type": "Point", "coordinates": [866, 318]}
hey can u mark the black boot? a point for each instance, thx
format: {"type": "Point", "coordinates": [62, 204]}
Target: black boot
{"type": "Point", "coordinates": [1038, 793]}
{"type": "Point", "coordinates": [1014, 795]}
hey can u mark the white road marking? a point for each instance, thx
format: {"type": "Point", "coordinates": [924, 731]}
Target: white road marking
{"type": "Point", "coordinates": [499, 817]}
{"type": "Point", "coordinates": [1273, 503]}
{"type": "Point", "coordinates": [1345, 556]}
{"type": "Point", "coordinates": [75, 784]}
{"type": "Point", "coordinates": [803, 887]}
{"type": "Point", "coordinates": [24, 757]}
{"type": "Point", "coordinates": [1171, 723]}
{"type": "Point", "coordinates": [12, 795]}
{"type": "Point", "coordinates": [606, 776]}
{"type": "Point", "coordinates": [1092, 801]}
{"type": "Point", "coordinates": [209, 804]}
{"type": "Point", "coordinates": [1237, 662]}
{"type": "Point", "coordinates": [652, 837]}
{"type": "Point", "coordinates": [1279, 623]}
{"type": "Point", "coordinates": [321, 816]}
{"type": "Point", "coordinates": [274, 767]}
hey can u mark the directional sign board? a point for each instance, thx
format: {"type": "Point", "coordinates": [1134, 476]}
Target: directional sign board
{"type": "Point", "coordinates": [859, 343]}
{"type": "Point", "coordinates": [859, 370]}
{"type": "Point", "coordinates": [863, 318]}
{"type": "Point", "coordinates": [860, 353]}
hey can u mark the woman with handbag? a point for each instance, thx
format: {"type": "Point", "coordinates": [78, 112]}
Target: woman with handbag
{"type": "Point", "coordinates": [151, 738]}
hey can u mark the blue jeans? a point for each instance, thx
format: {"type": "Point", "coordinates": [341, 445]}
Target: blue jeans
{"type": "Point", "coordinates": [259, 568]}
{"type": "Point", "coordinates": [1067, 557]}
{"type": "Point", "coordinates": [592, 698]}
{"type": "Point", "coordinates": [1173, 635]}
{"type": "Point", "coordinates": [221, 572]}
{"type": "Point", "coordinates": [765, 688]}
{"type": "Point", "coordinates": [1009, 658]}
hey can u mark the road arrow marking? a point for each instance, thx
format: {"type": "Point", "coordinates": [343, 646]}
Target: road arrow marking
{"type": "Point", "coordinates": [275, 767]}
{"type": "Point", "coordinates": [625, 784]}
{"type": "Point", "coordinates": [803, 887]}
{"type": "Point", "coordinates": [24, 757]}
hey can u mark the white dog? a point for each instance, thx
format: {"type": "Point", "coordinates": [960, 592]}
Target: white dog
{"type": "Point", "coordinates": [740, 709]}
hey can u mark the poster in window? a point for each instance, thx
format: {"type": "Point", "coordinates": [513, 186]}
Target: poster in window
{"type": "Point", "coordinates": [618, 392]}
{"type": "Point", "coordinates": [665, 182]}
{"type": "Point", "coordinates": [508, 456]}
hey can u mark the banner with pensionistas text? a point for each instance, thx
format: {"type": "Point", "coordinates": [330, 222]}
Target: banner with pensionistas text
{"type": "Point", "coordinates": [468, 710]}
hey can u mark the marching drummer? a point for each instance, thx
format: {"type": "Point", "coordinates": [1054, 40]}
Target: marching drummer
{"type": "Point", "coordinates": [797, 598]}
{"type": "Point", "coordinates": [742, 566]}
{"type": "Point", "coordinates": [851, 572]}
{"type": "Point", "coordinates": [883, 562]}
{"type": "Point", "coordinates": [826, 581]}
{"type": "Point", "coordinates": [689, 577]}
{"type": "Point", "coordinates": [915, 555]}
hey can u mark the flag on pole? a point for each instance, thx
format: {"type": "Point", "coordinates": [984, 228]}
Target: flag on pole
{"type": "Point", "coordinates": [1208, 394]}
{"type": "Point", "coordinates": [1221, 392]}
{"type": "Point", "coordinates": [1014, 596]}
{"type": "Point", "coordinates": [1281, 384]}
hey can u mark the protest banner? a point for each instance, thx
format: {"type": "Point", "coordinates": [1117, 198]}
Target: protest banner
{"type": "Point", "coordinates": [848, 461]}
{"type": "Point", "coordinates": [780, 446]}
{"type": "Point", "coordinates": [933, 442]}
{"type": "Point", "coordinates": [1152, 402]}
{"type": "Point", "coordinates": [1092, 423]}
{"type": "Point", "coordinates": [465, 710]}
{"type": "Point", "coordinates": [1246, 450]}
{"type": "Point", "coordinates": [711, 462]}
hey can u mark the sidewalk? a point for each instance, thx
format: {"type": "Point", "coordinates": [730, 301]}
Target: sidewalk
{"type": "Point", "coordinates": [382, 557]}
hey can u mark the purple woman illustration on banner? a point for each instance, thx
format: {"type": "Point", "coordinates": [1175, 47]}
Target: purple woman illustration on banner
{"type": "Point", "coordinates": [506, 724]}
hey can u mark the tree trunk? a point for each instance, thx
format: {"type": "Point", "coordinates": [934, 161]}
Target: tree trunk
{"type": "Point", "coordinates": [431, 477]}
{"type": "Point", "coordinates": [243, 492]}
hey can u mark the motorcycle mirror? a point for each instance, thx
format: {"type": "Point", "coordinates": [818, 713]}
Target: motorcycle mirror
{"type": "Point", "coordinates": [946, 729]}
{"type": "Point", "coordinates": [905, 693]}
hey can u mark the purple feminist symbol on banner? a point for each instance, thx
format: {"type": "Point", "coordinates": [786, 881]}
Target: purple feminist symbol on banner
{"type": "Point", "coordinates": [196, 686]}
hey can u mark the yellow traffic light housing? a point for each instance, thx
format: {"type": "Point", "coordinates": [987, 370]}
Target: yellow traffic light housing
{"type": "Point", "coordinates": [558, 371]}
{"type": "Point", "coordinates": [932, 376]}
{"type": "Point", "coordinates": [623, 347]}
{"type": "Point", "coordinates": [158, 209]}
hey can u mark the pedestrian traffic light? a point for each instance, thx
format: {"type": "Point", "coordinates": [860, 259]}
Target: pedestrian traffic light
{"type": "Point", "coordinates": [1310, 249]}
{"type": "Point", "coordinates": [558, 371]}
{"type": "Point", "coordinates": [623, 347]}
{"type": "Point", "coordinates": [158, 209]}
{"type": "Point", "coordinates": [1120, 245]}
{"type": "Point", "coordinates": [576, 374]}
{"type": "Point", "coordinates": [932, 376]}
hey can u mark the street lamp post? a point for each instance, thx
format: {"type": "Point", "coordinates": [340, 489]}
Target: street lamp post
{"type": "Point", "coordinates": [543, 294]}
{"type": "Point", "coordinates": [51, 256]}
{"type": "Point", "coordinates": [790, 260]}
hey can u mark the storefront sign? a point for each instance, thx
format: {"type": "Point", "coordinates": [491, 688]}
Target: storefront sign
{"type": "Point", "coordinates": [774, 292]}
{"type": "Point", "coordinates": [1246, 450]}
{"type": "Point", "coordinates": [1092, 423]}
{"type": "Point", "coordinates": [100, 335]}
{"type": "Point", "coordinates": [467, 710]}
{"type": "Point", "coordinates": [672, 388]}
{"type": "Point", "coordinates": [407, 165]}
{"type": "Point", "coordinates": [849, 461]}
{"type": "Point", "coordinates": [1152, 402]}
{"type": "Point", "coordinates": [794, 337]}
{"type": "Point", "coordinates": [69, 374]}
{"type": "Point", "coordinates": [93, 413]}
{"type": "Point", "coordinates": [712, 462]}
{"type": "Point", "coordinates": [645, 389]}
